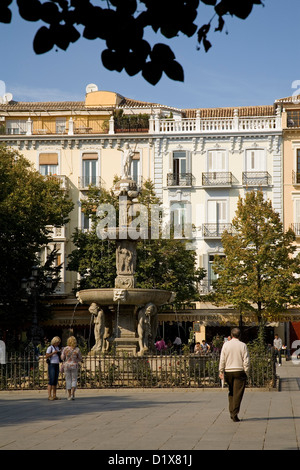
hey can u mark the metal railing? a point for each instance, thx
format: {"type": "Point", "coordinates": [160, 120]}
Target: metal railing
{"type": "Point", "coordinates": [217, 178]}
{"type": "Point", "coordinates": [215, 230]}
{"type": "Point", "coordinates": [29, 372]}
{"type": "Point", "coordinates": [256, 178]}
{"type": "Point", "coordinates": [180, 179]}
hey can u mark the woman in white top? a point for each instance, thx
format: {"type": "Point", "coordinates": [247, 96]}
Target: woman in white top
{"type": "Point", "coordinates": [53, 354]}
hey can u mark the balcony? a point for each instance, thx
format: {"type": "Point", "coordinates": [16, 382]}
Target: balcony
{"type": "Point", "coordinates": [215, 230]}
{"type": "Point", "coordinates": [296, 229]}
{"type": "Point", "coordinates": [84, 182]}
{"type": "Point", "coordinates": [256, 178]}
{"type": "Point", "coordinates": [217, 178]}
{"type": "Point", "coordinates": [180, 179]}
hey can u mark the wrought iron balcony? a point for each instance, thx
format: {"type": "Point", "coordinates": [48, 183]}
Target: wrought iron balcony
{"type": "Point", "coordinates": [180, 179]}
{"type": "Point", "coordinates": [217, 178]}
{"type": "Point", "coordinates": [256, 178]}
{"type": "Point", "coordinates": [296, 229]}
{"type": "Point", "coordinates": [85, 181]}
{"type": "Point", "coordinates": [215, 230]}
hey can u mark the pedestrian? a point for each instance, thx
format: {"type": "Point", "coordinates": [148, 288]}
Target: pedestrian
{"type": "Point", "coordinates": [53, 358]}
{"type": "Point", "coordinates": [160, 344]}
{"type": "Point", "coordinates": [71, 357]}
{"type": "Point", "coordinates": [204, 347]}
{"type": "Point", "coordinates": [177, 344]}
{"type": "Point", "coordinates": [197, 348]}
{"type": "Point", "coordinates": [234, 367]}
{"type": "Point", "coordinates": [277, 343]}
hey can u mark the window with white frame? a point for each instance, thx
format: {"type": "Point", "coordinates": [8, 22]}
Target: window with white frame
{"type": "Point", "coordinates": [48, 164]}
{"type": "Point", "coordinates": [135, 168]}
{"type": "Point", "coordinates": [89, 169]}
{"type": "Point", "coordinates": [255, 160]}
{"type": "Point", "coordinates": [181, 219]}
{"type": "Point", "coordinates": [60, 125]}
{"type": "Point", "coordinates": [217, 211]}
{"type": "Point", "coordinates": [216, 160]}
{"type": "Point", "coordinates": [296, 225]}
{"type": "Point", "coordinates": [16, 126]}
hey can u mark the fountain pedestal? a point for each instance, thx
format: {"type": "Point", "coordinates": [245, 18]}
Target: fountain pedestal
{"type": "Point", "coordinates": [134, 310]}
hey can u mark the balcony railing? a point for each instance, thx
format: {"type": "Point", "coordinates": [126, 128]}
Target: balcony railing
{"type": "Point", "coordinates": [217, 178]}
{"type": "Point", "coordinates": [215, 230]}
{"type": "Point", "coordinates": [155, 125]}
{"type": "Point", "coordinates": [180, 179]}
{"type": "Point", "coordinates": [85, 181]}
{"type": "Point", "coordinates": [256, 178]}
{"type": "Point", "coordinates": [296, 229]}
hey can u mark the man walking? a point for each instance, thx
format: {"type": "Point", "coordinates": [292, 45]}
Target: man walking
{"type": "Point", "coordinates": [234, 367]}
{"type": "Point", "coordinates": [277, 343]}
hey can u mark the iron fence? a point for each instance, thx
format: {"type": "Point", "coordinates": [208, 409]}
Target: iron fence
{"type": "Point", "coordinates": [29, 372]}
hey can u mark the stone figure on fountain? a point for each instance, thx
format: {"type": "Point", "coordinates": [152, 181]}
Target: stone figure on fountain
{"type": "Point", "coordinates": [102, 329]}
{"type": "Point", "coordinates": [128, 153]}
{"type": "Point", "coordinates": [147, 327]}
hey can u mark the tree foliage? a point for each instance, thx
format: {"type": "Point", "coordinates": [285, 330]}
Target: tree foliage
{"type": "Point", "coordinates": [122, 24]}
{"type": "Point", "coordinates": [259, 272]}
{"type": "Point", "coordinates": [29, 204]}
{"type": "Point", "coordinates": [161, 264]}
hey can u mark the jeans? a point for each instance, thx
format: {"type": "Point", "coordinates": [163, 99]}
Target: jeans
{"type": "Point", "coordinates": [53, 373]}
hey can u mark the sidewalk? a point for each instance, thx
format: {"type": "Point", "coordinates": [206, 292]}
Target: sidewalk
{"type": "Point", "coordinates": [153, 419]}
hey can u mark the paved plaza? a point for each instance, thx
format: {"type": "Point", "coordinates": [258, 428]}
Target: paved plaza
{"type": "Point", "coordinates": [153, 419]}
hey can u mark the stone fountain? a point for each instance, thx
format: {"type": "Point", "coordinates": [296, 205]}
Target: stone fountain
{"type": "Point", "coordinates": [124, 314]}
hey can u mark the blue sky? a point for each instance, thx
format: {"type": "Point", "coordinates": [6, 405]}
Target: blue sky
{"type": "Point", "coordinates": [254, 64]}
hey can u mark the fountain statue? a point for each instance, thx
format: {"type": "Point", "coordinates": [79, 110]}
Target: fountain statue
{"type": "Point", "coordinates": [132, 310]}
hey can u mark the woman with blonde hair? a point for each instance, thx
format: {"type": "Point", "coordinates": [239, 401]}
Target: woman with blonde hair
{"type": "Point", "coordinates": [71, 356]}
{"type": "Point", "coordinates": [53, 358]}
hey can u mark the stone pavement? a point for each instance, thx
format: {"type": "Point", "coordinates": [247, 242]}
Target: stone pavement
{"type": "Point", "coordinates": [164, 420]}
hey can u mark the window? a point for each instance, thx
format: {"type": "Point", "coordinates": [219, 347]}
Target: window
{"type": "Point", "coordinates": [255, 160]}
{"type": "Point", "coordinates": [135, 167]}
{"type": "Point", "coordinates": [212, 276]}
{"type": "Point", "coordinates": [179, 163]}
{"type": "Point", "coordinates": [293, 118]}
{"type": "Point", "coordinates": [89, 169]}
{"type": "Point", "coordinates": [216, 160]}
{"type": "Point", "coordinates": [298, 166]}
{"type": "Point", "coordinates": [86, 222]}
{"type": "Point", "coordinates": [216, 211]}
{"type": "Point", "coordinates": [180, 169]}
{"type": "Point", "coordinates": [48, 164]}
{"type": "Point", "coordinates": [181, 219]}
{"type": "Point", "coordinates": [60, 125]}
{"type": "Point", "coordinates": [16, 126]}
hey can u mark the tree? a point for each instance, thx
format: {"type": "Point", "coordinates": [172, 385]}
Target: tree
{"type": "Point", "coordinates": [29, 204]}
{"type": "Point", "coordinates": [161, 263]}
{"type": "Point", "coordinates": [259, 271]}
{"type": "Point", "coordinates": [122, 25]}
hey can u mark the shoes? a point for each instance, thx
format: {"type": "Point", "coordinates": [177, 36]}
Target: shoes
{"type": "Point", "coordinates": [55, 398]}
{"type": "Point", "coordinates": [235, 419]}
{"type": "Point", "coordinates": [69, 398]}
{"type": "Point", "coordinates": [50, 398]}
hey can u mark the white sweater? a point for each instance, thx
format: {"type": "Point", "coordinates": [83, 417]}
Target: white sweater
{"type": "Point", "coordinates": [234, 356]}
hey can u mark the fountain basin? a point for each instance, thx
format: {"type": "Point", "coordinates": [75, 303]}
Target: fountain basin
{"type": "Point", "coordinates": [135, 296]}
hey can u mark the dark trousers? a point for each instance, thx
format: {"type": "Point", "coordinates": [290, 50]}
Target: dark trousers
{"type": "Point", "coordinates": [277, 352]}
{"type": "Point", "coordinates": [236, 382]}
